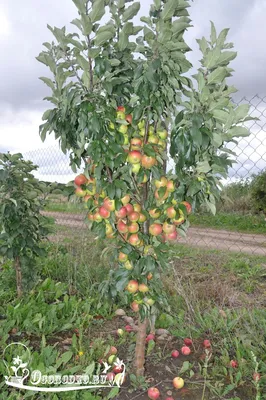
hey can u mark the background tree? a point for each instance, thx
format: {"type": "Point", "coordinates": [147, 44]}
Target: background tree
{"type": "Point", "coordinates": [116, 112]}
{"type": "Point", "coordinates": [22, 226]}
{"type": "Point", "coordinates": [258, 192]}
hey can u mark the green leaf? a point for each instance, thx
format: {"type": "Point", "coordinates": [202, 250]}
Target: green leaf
{"type": "Point", "coordinates": [211, 207]}
{"type": "Point", "coordinates": [239, 131]}
{"type": "Point", "coordinates": [217, 76]}
{"type": "Point", "coordinates": [98, 10]}
{"type": "Point", "coordinates": [213, 34]}
{"type": "Point", "coordinates": [80, 4]}
{"type": "Point", "coordinates": [169, 9]}
{"type": "Point", "coordinates": [48, 82]}
{"type": "Point", "coordinates": [220, 115]}
{"type": "Point", "coordinates": [222, 37]}
{"type": "Point", "coordinates": [226, 57]}
{"type": "Point", "coordinates": [203, 166]}
{"type": "Point", "coordinates": [103, 37]}
{"type": "Point", "coordinates": [114, 392]}
{"type": "Point", "coordinates": [131, 11]}
{"type": "Point", "coordinates": [86, 24]}
{"type": "Point", "coordinates": [84, 64]}
{"type": "Point", "coordinates": [241, 112]}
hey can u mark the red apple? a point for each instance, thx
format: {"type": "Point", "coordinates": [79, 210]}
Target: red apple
{"type": "Point", "coordinates": [170, 186]}
{"type": "Point", "coordinates": [149, 337]}
{"type": "Point", "coordinates": [175, 353]}
{"type": "Point", "coordinates": [171, 212]}
{"type": "Point", "coordinates": [134, 306]}
{"type": "Point", "coordinates": [110, 376]}
{"type": "Point", "coordinates": [171, 236]}
{"type": "Point", "coordinates": [188, 341]}
{"type": "Point", "coordinates": [128, 328]}
{"type": "Point", "coordinates": [134, 239]}
{"type": "Point", "coordinates": [149, 276]}
{"type": "Point", "coordinates": [122, 227]}
{"type": "Point", "coordinates": [134, 156]}
{"type": "Point", "coordinates": [121, 109]}
{"type": "Point", "coordinates": [185, 350]}
{"type": "Point", "coordinates": [132, 286]}
{"type": "Point", "coordinates": [169, 398]}
{"type": "Point", "coordinates": [153, 393]}
{"type": "Point", "coordinates": [178, 383]}
{"type": "Point", "coordinates": [103, 212]}
{"type": "Point", "coordinates": [122, 213]}
{"type": "Point", "coordinates": [129, 118]}
{"type": "Point", "coordinates": [122, 257]}
{"type": "Point", "coordinates": [206, 344]}
{"type": "Point", "coordinates": [133, 227]}
{"type": "Point", "coordinates": [148, 162]}
{"type": "Point", "coordinates": [188, 206]}
{"type": "Point", "coordinates": [90, 217]}
{"type": "Point", "coordinates": [109, 204]}
{"type": "Point", "coordinates": [168, 228]}
{"type": "Point", "coordinates": [233, 363]}
{"type": "Point", "coordinates": [80, 180]}
{"type": "Point", "coordinates": [113, 350]}
{"type": "Point", "coordinates": [136, 143]}
{"type": "Point", "coordinates": [134, 216]}
{"type": "Point", "coordinates": [129, 208]}
{"type": "Point", "coordinates": [117, 370]}
{"type": "Point", "coordinates": [143, 288]}
{"type": "Point", "coordinates": [256, 376]}
{"type": "Point", "coordinates": [155, 229]}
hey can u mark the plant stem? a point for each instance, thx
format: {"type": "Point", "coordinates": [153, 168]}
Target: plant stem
{"type": "Point", "coordinates": [140, 347]}
{"type": "Point", "coordinates": [18, 276]}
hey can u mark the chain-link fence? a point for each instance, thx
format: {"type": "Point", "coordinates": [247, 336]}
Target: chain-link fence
{"type": "Point", "coordinates": [250, 160]}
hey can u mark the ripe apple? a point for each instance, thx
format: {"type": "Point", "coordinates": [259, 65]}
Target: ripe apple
{"type": "Point", "coordinates": [97, 217]}
{"type": "Point", "coordinates": [134, 306]}
{"type": "Point", "coordinates": [137, 207]}
{"type": "Point", "coordinates": [233, 363]}
{"type": "Point", "coordinates": [128, 265]}
{"type": "Point", "coordinates": [113, 350]}
{"type": "Point", "coordinates": [134, 239]}
{"type": "Point", "coordinates": [132, 286]}
{"type": "Point", "coordinates": [120, 115]}
{"type": "Point", "coordinates": [175, 353]}
{"type": "Point", "coordinates": [169, 398]}
{"type": "Point", "coordinates": [134, 216]}
{"type": "Point", "coordinates": [185, 350]}
{"type": "Point", "coordinates": [129, 118]}
{"type": "Point", "coordinates": [128, 328]}
{"type": "Point", "coordinates": [149, 337]}
{"type": "Point", "coordinates": [90, 217]}
{"type": "Point", "coordinates": [170, 186]}
{"type": "Point", "coordinates": [143, 288]}
{"type": "Point", "coordinates": [171, 212]}
{"type": "Point", "coordinates": [122, 227]}
{"type": "Point", "coordinates": [153, 139]}
{"type": "Point", "coordinates": [206, 344]}
{"type": "Point", "coordinates": [153, 393]}
{"type": "Point", "coordinates": [155, 229]}
{"type": "Point", "coordinates": [149, 276]}
{"type": "Point", "coordinates": [136, 168]}
{"type": "Point", "coordinates": [142, 217]}
{"type": "Point", "coordinates": [161, 183]}
{"type": "Point", "coordinates": [126, 199]}
{"type": "Point", "coordinates": [148, 162]}
{"type": "Point", "coordinates": [122, 213]}
{"type": "Point", "coordinates": [178, 382]}
{"type": "Point", "coordinates": [136, 143]}
{"type": "Point", "coordinates": [109, 204]}
{"type": "Point", "coordinates": [112, 359]}
{"type": "Point", "coordinates": [117, 370]}
{"type": "Point", "coordinates": [79, 192]}
{"type": "Point", "coordinates": [121, 109]}
{"type": "Point", "coordinates": [188, 341]}
{"type": "Point", "coordinates": [122, 257]}
{"type": "Point", "coordinates": [129, 208]}
{"type": "Point", "coordinates": [168, 228]}
{"type": "Point", "coordinates": [155, 213]}
{"type": "Point", "coordinates": [171, 236]}
{"type": "Point", "coordinates": [80, 180]}
{"type": "Point", "coordinates": [162, 134]}
{"type": "Point", "coordinates": [110, 376]}
{"type": "Point", "coordinates": [103, 212]}
{"type": "Point", "coordinates": [134, 157]}
{"type": "Point", "coordinates": [256, 376]}
{"type": "Point", "coordinates": [133, 227]}
{"type": "Point", "coordinates": [188, 206]}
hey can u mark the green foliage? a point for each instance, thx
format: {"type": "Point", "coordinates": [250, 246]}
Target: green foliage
{"type": "Point", "coordinates": [258, 192]}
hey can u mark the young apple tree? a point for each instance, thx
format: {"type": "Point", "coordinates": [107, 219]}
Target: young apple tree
{"type": "Point", "coordinates": [22, 227]}
{"type": "Point", "coordinates": [117, 92]}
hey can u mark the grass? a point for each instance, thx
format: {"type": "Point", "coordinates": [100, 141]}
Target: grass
{"type": "Point", "coordinates": [65, 207]}
{"type": "Point", "coordinates": [232, 222]}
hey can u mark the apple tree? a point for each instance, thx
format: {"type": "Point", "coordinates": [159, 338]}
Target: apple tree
{"type": "Point", "coordinates": [122, 106]}
{"type": "Point", "coordinates": [22, 227]}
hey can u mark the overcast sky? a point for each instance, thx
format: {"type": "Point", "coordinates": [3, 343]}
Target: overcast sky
{"type": "Point", "coordinates": [23, 30]}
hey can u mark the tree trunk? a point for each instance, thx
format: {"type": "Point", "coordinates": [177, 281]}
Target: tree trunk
{"type": "Point", "coordinates": [18, 276]}
{"type": "Point", "coordinates": [140, 347]}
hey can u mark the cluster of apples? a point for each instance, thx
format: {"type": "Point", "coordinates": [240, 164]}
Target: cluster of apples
{"type": "Point", "coordinates": [85, 187]}
{"type": "Point", "coordinates": [139, 290]}
{"type": "Point", "coordinates": [154, 393]}
{"type": "Point", "coordinates": [117, 367]}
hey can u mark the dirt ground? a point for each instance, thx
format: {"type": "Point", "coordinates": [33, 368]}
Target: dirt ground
{"type": "Point", "coordinates": [198, 237]}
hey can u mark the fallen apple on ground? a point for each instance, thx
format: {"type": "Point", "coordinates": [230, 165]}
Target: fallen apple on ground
{"type": "Point", "coordinates": [175, 353]}
{"type": "Point", "coordinates": [178, 382]}
{"type": "Point", "coordinates": [185, 350]}
{"type": "Point", "coordinates": [153, 393]}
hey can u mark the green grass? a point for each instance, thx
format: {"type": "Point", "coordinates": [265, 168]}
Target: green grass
{"type": "Point", "coordinates": [231, 222]}
{"type": "Point", "coordinates": [65, 207]}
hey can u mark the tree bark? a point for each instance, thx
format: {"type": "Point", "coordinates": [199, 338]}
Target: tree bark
{"type": "Point", "coordinates": [18, 276]}
{"type": "Point", "coordinates": [140, 347]}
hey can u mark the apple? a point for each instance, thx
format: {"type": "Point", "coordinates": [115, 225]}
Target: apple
{"type": "Point", "coordinates": [126, 199]}
{"type": "Point", "coordinates": [112, 359]}
{"type": "Point", "coordinates": [80, 180]}
{"type": "Point", "coordinates": [162, 134]}
{"type": "Point", "coordinates": [134, 239]}
{"type": "Point", "coordinates": [110, 376]}
{"type": "Point", "coordinates": [97, 217]}
{"type": "Point", "coordinates": [113, 350]}
{"type": "Point", "coordinates": [175, 353]}
{"type": "Point", "coordinates": [108, 229]}
{"type": "Point", "coordinates": [133, 227]}
{"type": "Point", "coordinates": [121, 213]}
{"type": "Point", "coordinates": [171, 212]}
{"type": "Point", "coordinates": [168, 228]}
{"type": "Point", "coordinates": [141, 124]}
{"type": "Point", "coordinates": [128, 265]}
{"type": "Point", "coordinates": [121, 109]}
{"type": "Point", "coordinates": [143, 288]}
{"type": "Point", "coordinates": [178, 382]}
{"type": "Point", "coordinates": [149, 337]}
{"type": "Point", "coordinates": [170, 186]}
{"type": "Point", "coordinates": [136, 168]}
{"type": "Point", "coordinates": [155, 213]}
{"type": "Point", "coordinates": [134, 216]}
{"type": "Point", "coordinates": [122, 257]}
{"type": "Point", "coordinates": [126, 140]}
{"type": "Point", "coordinates": [188, 206]}
{"type": "Point", "coordinates": [256, 376]}
{"type": "Point", "coordinates": [117, 370]}
{"type": "Point", "coordinates": [158, 197]}
{"type": "Point", "coordinates": [134, 157]}
{"type": "Point", "coordinates": [120, 332]}
{"type": "Point", "coordinates": [129, 208]}
{"type": "Point", "coordinates": [142, 217]}
{"type": "Point", "coordinates": [79, 192]}
{"type": "Point", "coordinates": [188, 341]}
{"type": "Point", "coordinates": [109, 204]}
{"type": "Point", "coordinates": [161, 183]}
{"type": "Point", "coordinates": [136, 143]}
{"type": "Point", "coordinates": [142, 132]}
{"type": "Point", "coordinates": [169, 398]}
{"type": "Point", "coordinates": [103, 212]}
{"type": "Point", "coordinates": [153, 139]}
{"type": "Point", "coordinates": [112, 126]}
{"type": "Point", "coordinates": [149, 276]}
{"type": "Point", "coordinates": [134, 306]}
{"type": "Point", "coordinates": [206, 344]}
{"type": "Point", "coordinates": [233, 363]}
{"type": "Point", "coordinates": [122, 227]}
{"type": "Point", "coordinates": [155, 229]}
{"type": "Point", "coordinates": [90, 217]}
{"type": "Point", "coordinates": [179, 220]}
{"type": "Point", "coordinates": [120, 115]}
{"type": "Point", "coordinates": [137, 207]}
{"type": "Point", "coordinates": [148, 162]}
{"type": "Point", "coordinates": [162, 144]}
{"type": "Point", "coordinates": [185, 350]}
{"type": "Point", "coordinates": [153, 393]}
{"type": "Point", "coordinates": [129, 118]}
{"type": "Point", "coordinates": [128, 328]}
{"type": "Point", "coordinates": [132, 286]}
{"type": "Point", "coordinates": [150, 302]}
